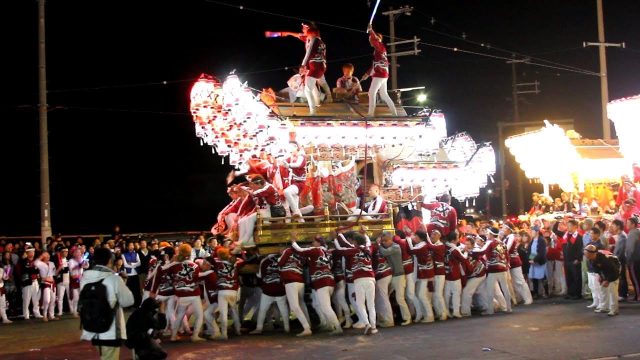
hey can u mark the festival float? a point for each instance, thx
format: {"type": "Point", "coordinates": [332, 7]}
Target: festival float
{"type": "Point", "coordinates": [407, 155]}
{"type": "Point", "coordinates": [593, 169]}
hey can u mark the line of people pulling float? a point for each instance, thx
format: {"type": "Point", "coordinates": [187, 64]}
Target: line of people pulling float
{"type": "Point", "coordinates": [432, 277]}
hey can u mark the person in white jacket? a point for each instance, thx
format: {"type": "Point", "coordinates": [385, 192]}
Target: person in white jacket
{"type": "Point", "coordinates": [108, 343]}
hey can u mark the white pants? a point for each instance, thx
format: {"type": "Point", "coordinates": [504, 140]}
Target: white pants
{"type": "Point", "coordinates": [520, 285]}
{"type": "Point", "coordinates": [366, 296]}
{"type": "Point", "coordinates": [196, 306]}
{"type": "Point", "coordinates": [609, 296]}
{"type": "Point", "coordinates": [399, 286]}
{"type": "Point", "coordinates": [61, 289]}
{"type": "Point", "coordinates": [291, 193]}
{"type": "Point", "coordinates": [228, 300]}
{"type": "Point", "coordinates": [30, 294]}
{"type": "Point", "coordinates": [311, 93]}
{"type": "Point", "coordinates": [295, 297]}
{"type": "Point", "coordinates": [351, 292]}
{"type": "Point", "coordinates": [383, 306]}
{"type": "Point", "coordinates": [323, 306]}
{"type": "Point", "coordinates": [422, 292]}
{"type": "Point", "coordinates": [438, 298]}
{"type": "Point", "coordinates": [410, 293]}
{"type": "Point", "coordinates": [379, 86]}
{"type": "Point", "coordinates": [452, 292]}
{"type": "Point", "coordinates": [594, 284]}
{"type": "Point", "coordinates": [340, 301]}
{"type": "Point", "coordinates": [265, 303]}
{"type": "Point", "coordinates": [48, 302]}
{"type": "Point", "coordinates": [3, 308]}
{"type": "Point", "coordinates": [245, 229]}
{"type": "Point", "coordinates": [470, 288]}
{"type": "Point", "coordinates": [169, 308]}
{"type": "Point", "coordinates": [501, 279]}
{"type": "Point", "coordinates": [555, 277]}
{"type": "Point", "coordinates": [210, 318]}
{"type": "Point", "coordinates": [498, 298]}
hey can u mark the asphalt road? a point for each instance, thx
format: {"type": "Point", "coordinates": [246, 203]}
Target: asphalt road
{"type": "Point", "coordinates": [549, 329]}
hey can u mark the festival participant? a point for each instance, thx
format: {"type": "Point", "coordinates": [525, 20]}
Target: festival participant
{"type": "Point", "coordinates": [185, 275]}
{"type": "Point", "coordinates": [393, 253]}
{"type": "Point", "coordinates": [47, 273]}
{"type": "Point", "coordinates": [62, 277]}
{"type": "Point", "coordinates": [379, 73]}
{"type": "Point", "coordinates": [632, 255]}
{"type": "Point", "coordinates": [438, 251]}
{"type": "Point", "coordinates": [3, 299]}
{"type": "Point", "coordinates": [348, 86]}
{"type": "Point", "coordinates": [272, 291]}
{"type": "Point", "coordinates": [363, 278]}
{"type": "Point", "coordinates": [226, 267]}
{"type": "Point", "coordinates": [162, 285]}
{"type": "Point", "coordinates": [297, 166]}
{"type": "Point", "coordinates": [152, 267]}
{"type": "Point", "coordinates": [339, 297]}
{"type": "Point", "coordinates": [313, 65]}
{"type": "Point", "coordinates": [555, 265]}
{"type": "Point", "coordinates": [425, 273]}
{"type": "Point", "coordinates": [497, 266]}
{"type": "Point", "coordinates": [77, 265]}
{"type": "Point", "coordinates": [515, 264]}
{"type": "Point", "coordinates": [209, 278]}
{"type": "Point", "coordinates": [475, 277]}
{"type": "Point", "coordinates": [628, 191]}
{"type": "Point", "coordinates": [443, 216]}
{"type": "Point", "coordinates": [322, 280]}
{"type": "Point", "coordinates": [384, 274]}
{"type": "Point", "coordinates": [454, 262]}
{"type": "Point", "coordinates": [266, 199]}
{"type": "Point", "coordinates": [291, 266]}
{"type": "Point", "coordinates": [229, 214]}
{"type": "Point", "coordinates": [29, 276]}
{"type": "Point", "coordinates": [411, 271]}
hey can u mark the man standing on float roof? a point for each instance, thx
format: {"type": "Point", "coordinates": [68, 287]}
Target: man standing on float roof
{"type": "Point", "coordinates": [313, 65]}
{"type": "Point", "coordinates": [379, 73]}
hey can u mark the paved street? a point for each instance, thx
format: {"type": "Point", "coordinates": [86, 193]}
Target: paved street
{"type": "Point", "coordinates": [550, 329]}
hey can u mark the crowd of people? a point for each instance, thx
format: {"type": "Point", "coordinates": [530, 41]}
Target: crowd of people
{"type": "Point", "coordinates": [354, 279]}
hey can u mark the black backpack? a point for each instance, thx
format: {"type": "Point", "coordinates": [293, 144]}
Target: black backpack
{"type": "Point", "coordinates": [96, 314]}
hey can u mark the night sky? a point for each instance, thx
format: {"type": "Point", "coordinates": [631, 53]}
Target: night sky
{"type": "Point", "coordinates": [122, 145]}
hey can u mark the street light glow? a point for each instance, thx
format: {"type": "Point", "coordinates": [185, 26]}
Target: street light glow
{"type": "Point", "coordinates": [422, 98]}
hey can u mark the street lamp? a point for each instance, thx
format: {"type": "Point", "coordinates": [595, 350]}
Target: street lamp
{"type": "Point", "coordinates": [422, 98]}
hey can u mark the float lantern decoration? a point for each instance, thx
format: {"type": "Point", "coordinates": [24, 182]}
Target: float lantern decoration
{"type": "Point", "coordinates": [231, 119]}
{"type": "Point", "coordinates": [625, 114]}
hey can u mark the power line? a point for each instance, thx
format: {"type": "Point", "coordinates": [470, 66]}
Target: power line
{"type": "Point", "coordinates": [438, 46]}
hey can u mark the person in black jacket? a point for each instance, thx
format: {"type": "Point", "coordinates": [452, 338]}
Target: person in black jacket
{"type": "Point", "coordinates": [572, 252]}
{"type": "Point", "coordinates": [608, 267]}
{"type": "Point", "coordinates": [142, 329]}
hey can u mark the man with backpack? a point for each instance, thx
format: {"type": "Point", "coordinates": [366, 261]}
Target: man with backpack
{"type": "Point", "coordinates": [103, 295]}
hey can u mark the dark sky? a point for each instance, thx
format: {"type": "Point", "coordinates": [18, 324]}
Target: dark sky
{"type": "Point", "coordinates": [122, 146]}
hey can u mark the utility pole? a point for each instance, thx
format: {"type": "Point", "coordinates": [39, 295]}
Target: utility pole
{"type": "Point", "coordinates": [392, 14]}
{"type": "Point", "coordinates": [516, 89]}
{"type": "Point", "coordinates": [604, 82]}
{"type": "Point", "coordinates": [45, 196]}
